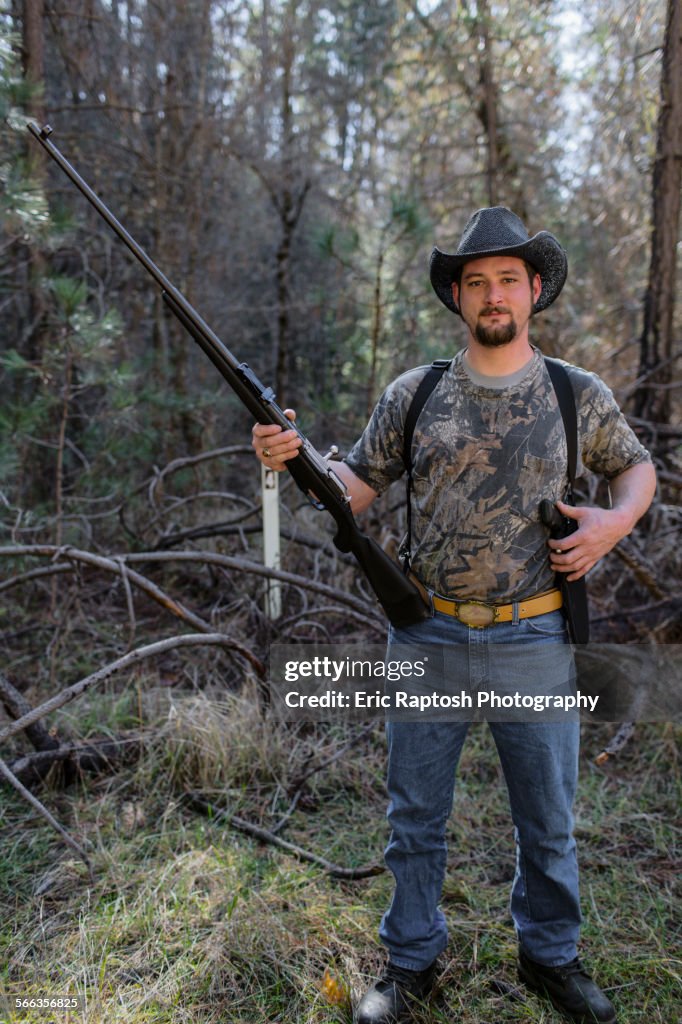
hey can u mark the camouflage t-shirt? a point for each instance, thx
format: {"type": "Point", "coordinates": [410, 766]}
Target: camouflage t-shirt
{"type": "Point", "coordinates": [483, 460]}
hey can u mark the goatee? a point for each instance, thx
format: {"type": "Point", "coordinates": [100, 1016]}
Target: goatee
{"type": "Point", "coordinates": [495, 335]}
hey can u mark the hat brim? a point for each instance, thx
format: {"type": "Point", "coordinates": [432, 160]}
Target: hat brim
{"type": "Point", "coordinates": [543, 252]}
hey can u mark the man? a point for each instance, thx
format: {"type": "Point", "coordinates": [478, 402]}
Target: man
{"type": "Point", "coordinates": [489, 445]}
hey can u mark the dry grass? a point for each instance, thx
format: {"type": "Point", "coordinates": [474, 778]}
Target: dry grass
{"type": "Point", "coordinates": [190, 921]}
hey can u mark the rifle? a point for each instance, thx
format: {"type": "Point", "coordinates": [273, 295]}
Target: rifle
{"type": "Point", "coordinates": [397, 595]}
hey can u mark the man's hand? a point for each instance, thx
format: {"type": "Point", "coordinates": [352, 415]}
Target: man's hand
{"type": "Point", "coordinates": [274, 446]}
{"type": "Point", "coordinates": [600, 529]}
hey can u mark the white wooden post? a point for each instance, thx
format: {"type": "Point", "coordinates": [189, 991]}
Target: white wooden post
{"type": "Point", "coordinates": [271, 540]}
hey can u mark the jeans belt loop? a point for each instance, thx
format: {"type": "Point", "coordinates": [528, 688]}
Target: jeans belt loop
{"type": "Point", "coordinates": [426, 593]}
{"type": "Point", "coordinates": [515, 613]}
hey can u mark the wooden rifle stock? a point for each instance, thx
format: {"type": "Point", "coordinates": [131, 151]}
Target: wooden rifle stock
{"type": "Point", "coordinates": [397, 595]}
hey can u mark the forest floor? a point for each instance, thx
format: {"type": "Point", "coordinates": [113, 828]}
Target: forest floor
{"type": "Point", "coordinates": [190, 921]}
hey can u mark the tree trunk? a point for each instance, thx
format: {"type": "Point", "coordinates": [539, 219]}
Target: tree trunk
{"type": "Point", "coordinates": [285, 206]}
{"type": "Point", "coordinates": [652, 400]}
{"type": "Point", "coordinates": [377, 330]}
{"type": "Point", "coordinates": [489, 103]}
{"type": "Point", "coordinates": [37, 340]}
{"type": "Point", "coordinates": [33, 60]}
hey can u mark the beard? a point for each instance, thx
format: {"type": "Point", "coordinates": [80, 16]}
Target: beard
{"type": "Point", "coordinates": [495, 335]}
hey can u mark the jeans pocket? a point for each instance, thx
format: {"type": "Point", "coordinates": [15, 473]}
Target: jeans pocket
{"type": "Point", "coordinates": [551, 624]}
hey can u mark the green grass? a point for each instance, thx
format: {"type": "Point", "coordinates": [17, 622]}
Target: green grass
{"type": "Point", "coordinates": [191, 922]}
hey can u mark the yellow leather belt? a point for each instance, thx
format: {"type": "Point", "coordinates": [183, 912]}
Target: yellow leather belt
{"type": "Point", "coordinates": [478, 614]}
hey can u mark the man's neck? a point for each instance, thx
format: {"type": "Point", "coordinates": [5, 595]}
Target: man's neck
{"type": "Point", "coordinates": [498, 362]}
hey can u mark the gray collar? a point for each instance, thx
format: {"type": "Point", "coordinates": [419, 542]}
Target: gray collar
{"type": "Point", "coordinates": [509, 380]}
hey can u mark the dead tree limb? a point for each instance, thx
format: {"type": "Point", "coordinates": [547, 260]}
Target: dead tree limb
{"type": "Point", "coordinates": [10, 777]}
{"type": "Point", "coordinates": [200, 803]}
{"type": "Point", "coordinates": [35, 574]}
{"type": "Point", "coordinates": [113, 565]}
{"type": "Point", "coordinates": [75, 690]}
{"type": "Point", "coordinates": [640, 570]}
{"type": "Point", "coordinates": [255, 568]}
{"type": "Point", "coordinates": [117, 567]}
{"type": "Point", "coordinates": [77, 758]}
{"type": "Point", "coordinates": [17, 706]}
{"type": "Point", "coordinates": [127, 661]}
{"type": "Point", "coordinates": [190, 460]}
{"type": "Point", "coordinates": [616, 743]}
{"type": "Point", "coordinates": [298, 783]}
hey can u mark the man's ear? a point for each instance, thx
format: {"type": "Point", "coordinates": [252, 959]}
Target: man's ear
{"type": "Point", "coordinates": [537, 288]}
{"type": "Point", "coordinates": [455, 293]}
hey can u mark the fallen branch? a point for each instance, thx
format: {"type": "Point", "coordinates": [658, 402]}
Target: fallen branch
{"type": "Point", "coordinates": [132, 658]}
{"type": "Point", "coordinates": [232, 528]}
{"type": "Point", "coordinates": [35, 574]}
{"type": "Point", "coordinates": [189, 460]}
{"type": "Point", "coordinates": [639, 610]}
{"type": "Point", "coordinates": [641, 571]}
{"type": "Point", "coordinates": [370, 612]}
{"type": "Point", "coordinates": [71, 692]}
{"type": "Point", "coordinates": [17, 706]}
{"type": "Point", "coordinates": [255, 568]}
{"type": "Point", "coordinates": [616, 744]}
{"type": "Point", "coordinates": [79, 757]}
{"type": "Point", "coordinates": [200, 803]}
{"type": "Point", "coordinates": [298, 783]}
{"type": "Point", "coordinates": [44, 813]}
{"type": "Point", "coordinates": [117, 567]}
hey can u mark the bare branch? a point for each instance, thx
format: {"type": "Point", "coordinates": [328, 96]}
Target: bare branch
{"type": "Point", "coordinates": [117, 567]}
{"type": "Point", "coordinates": [132, 658]}
{"type": "Point", "coordinates": [364, 608]}
{"type": "Point", "coordinates": [17, 706]}
{"type": "Point", "coordinates": [617, 742]}
{"type": "Point", "coordinates": [35, 574]}
{"type": "Point", "coordinates": [129, 603]}
{"type": "Point", "coordinates": [44, 813]}
{"type": "Point", "coordinates": [255, 568]}
{"type": "Point", "coordinates": [94, 756]}
{"type": "Point", "coordinates": [350, 874]}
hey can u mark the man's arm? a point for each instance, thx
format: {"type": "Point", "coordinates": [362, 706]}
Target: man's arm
{"type": "Point", "coordinates": [282, 445]}
{"type": "Point", "coordinates": [600, 529]}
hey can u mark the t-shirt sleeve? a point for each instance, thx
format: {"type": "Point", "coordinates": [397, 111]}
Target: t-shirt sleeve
{"type": "Point", "coordinates": [376, 457]}
{"type": "Point", "coordinates": [608, 443]}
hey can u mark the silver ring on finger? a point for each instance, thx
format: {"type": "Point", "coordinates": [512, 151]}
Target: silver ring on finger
{"type": "Point", "coordinates": [266, 453]}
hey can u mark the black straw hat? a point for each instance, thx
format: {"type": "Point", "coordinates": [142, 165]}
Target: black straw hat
{"type": "Point", "coordinates": [496, 231]}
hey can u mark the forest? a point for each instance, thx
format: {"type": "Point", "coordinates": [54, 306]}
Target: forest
{"type": "Point", "coordinates": [289, 165]}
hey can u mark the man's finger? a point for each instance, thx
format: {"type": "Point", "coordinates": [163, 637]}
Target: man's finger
{"type": "Point", "coordinates": [570, 511]}
{"type": "Point", "coordinates": [266, 429]}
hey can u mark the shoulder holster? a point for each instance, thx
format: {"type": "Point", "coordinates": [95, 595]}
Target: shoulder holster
{"type": "Point", "coordinates": [575, 592]}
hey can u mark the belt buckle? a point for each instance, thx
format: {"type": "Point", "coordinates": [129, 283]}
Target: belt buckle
{"type": "Point", "coordinates": [477, 614]}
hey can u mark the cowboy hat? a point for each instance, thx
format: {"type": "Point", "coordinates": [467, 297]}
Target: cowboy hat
{"type": "Point", "coordinates": [496, 231]}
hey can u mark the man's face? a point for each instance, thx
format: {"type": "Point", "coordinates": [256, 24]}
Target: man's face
{"type": "Point", "coordinates": [496, 298]}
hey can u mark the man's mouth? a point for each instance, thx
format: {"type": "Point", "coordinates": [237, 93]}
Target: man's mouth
{"type": "Point", "coordinates": [494, 312]}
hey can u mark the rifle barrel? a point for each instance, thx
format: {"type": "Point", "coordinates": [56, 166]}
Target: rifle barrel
{"type": "Point", "coordinates": [397, 594]}
{"type": "Point", "coordinates": [43, 137]}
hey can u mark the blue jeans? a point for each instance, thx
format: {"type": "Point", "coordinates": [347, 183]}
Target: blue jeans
{"type": "Point", "coordinates": [540, 765]}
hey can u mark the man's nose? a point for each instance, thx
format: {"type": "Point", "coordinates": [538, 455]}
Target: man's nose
{"type": "Point", "coordinates": [493, 293]}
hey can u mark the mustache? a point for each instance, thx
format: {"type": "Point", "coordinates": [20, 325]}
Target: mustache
{"type": "Point", "coordinates": [493, 309]}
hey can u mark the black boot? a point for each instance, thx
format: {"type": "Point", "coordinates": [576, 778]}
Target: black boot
{"type": "Point", "coordinates": [570, 989]}
{"type": "Point", "coordinates": [394, 995]}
